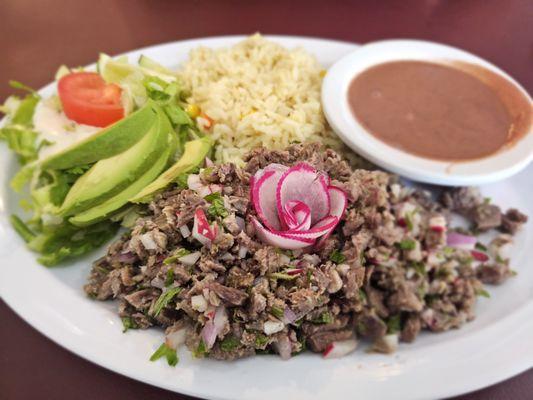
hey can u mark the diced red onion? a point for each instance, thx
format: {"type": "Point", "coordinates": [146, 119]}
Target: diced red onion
{"type": "Point", "coordinates": [288, 316]}
{"type": "Point", "coordinates": [283, 347]}
{"type": "Point", "coordinates": [127, 257]}
{"type": "Point", "coordinates": [456, 239]}
{"type": "Point", "coordinates": [240, 223]}
{"type": "Point", "coordinates": [214, 326]}
{"type": "Point", "coordinates": [209, 163]}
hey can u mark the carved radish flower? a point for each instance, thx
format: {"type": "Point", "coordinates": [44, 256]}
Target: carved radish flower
{"type": "Point", "coordinates": [297, 207]}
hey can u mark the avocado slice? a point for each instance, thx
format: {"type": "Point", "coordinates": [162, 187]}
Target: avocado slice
{"type": "Point", "coordinates": [104, 210]}
{"type": "Point", "coordinates": [110, 176]}
{"type": "Point", "coordinates": [194, 153]}
{"type": "Point", "coordinates": [106, 143]}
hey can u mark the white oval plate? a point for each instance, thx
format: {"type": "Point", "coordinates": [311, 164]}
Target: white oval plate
{"type": "Point", "coordinates": [498, 166]}
{"type": "Point", "coordinates": [494, 347]}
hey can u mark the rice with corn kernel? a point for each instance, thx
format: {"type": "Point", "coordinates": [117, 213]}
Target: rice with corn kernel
{"type": "Point", "coordinates": [258, 93]}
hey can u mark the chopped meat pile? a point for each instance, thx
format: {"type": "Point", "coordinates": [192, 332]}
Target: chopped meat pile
{"type": "Point", "coordinates": [194, 266]}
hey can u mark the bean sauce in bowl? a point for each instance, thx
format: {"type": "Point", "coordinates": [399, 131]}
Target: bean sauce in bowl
{"type": "Point", "coordinates": [430, 112]}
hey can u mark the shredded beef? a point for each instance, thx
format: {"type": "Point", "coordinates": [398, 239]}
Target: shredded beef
{"type": "Point", "coordinates": [384, 274]}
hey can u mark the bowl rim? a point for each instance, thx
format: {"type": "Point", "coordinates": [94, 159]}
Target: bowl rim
{"type": "Point", "coordinates": [500, 165]}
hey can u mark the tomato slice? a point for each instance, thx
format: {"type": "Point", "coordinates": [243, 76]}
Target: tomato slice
{"type": "Point", "coordinates": [88, 99]}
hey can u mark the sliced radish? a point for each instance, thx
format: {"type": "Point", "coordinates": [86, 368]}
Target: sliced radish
{"type": "Point", "coordinates": [479, 255]}
{"type": "Point", "coordinates": [302, 182]}
{"type": "Point", "coordinates": [296, 216]}
{"type": "Point", "coordinates": [201, 230]}
{"type": "Point", "coordinates": [279, 239]}
{"type": "Point", "coordinates": [320, 228]}
{"type": "Point", "coordinates": [460, 241]}
{"type": "Point", "coordinates": [264, 198]}
{"type": "Point", "coordinates": [340, 348]}
{"type": "Point", "coordinates": [339, 202]}
{"type": "Point", "coordinates": [294, 271]}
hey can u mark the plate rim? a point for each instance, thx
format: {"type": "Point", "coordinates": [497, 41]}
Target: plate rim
{"type": "Point", "coordinates": [87, 355]}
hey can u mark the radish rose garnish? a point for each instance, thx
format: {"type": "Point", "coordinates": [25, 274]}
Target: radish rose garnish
{"type": "Point", "coordinates": [297, 207]}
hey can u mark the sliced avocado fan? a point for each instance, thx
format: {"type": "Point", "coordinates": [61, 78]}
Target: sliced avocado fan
{"type": "Point", "coordinates": [106, 143]}
{"type": "Point", "coordinates": [115, 203]}
{"type": "Point", "coordinates": [193, 155]}
{"type": "Point", "coordinates": [110, 176]}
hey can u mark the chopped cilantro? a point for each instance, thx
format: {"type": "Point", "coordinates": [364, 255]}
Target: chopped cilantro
{"type": "Point", "coordinates": [298, 322]}
{"type": "Point", "coordinates": [337, 257]}
{"type": "Point", "coordinates": [448, 251]}
{"type": "Point", "coordinates": [169, 280]}
{"type": "Point", "coordinates": [500, 260]}
{"type": "Point", "coordinates": [201, 350]}
{"type": "Point", "coordinates": [324, 318]}
{"type": "Point", "coordinates": [362, 295]}
{"type": "Point", "coordinates": [487, 200]}
{"type": "Point", "coordinates": [407, 244]}
{"type": "Point", "coordinates": [394, 324]}
{"type": "Point", "coordinates": [282, 276]}
{"type": "Point", "coordinates": [277, 312]}
{"type": "Point", "coordinates": [261, 340]}
{"type": "Point", "coordinates": [216, 209]}
{"type": "Point", "coordinates": [168, 353]}
{"type": "Point", "coordinates": [229, 343]}
{"type": "Point", "coordinates": [409, 221]}
{"type": "Point", "coordinates": [164, 299]}
{"type": "Point", "coordinates": [482, 292]}
{"type": "Point", "coordinates": [128, 323]}
{"type": "Point", "coordinates": [181, 181]}
{"type": "Point", "coordinates": [420, 268]}
{"type": "Point", "coordinates": [174, 257]}
{"type": "Point", "coordinates": [481, 247]}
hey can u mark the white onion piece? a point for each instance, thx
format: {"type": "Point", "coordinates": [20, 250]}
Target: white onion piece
{"type": "Point", "coordinates": [190, 259]}
{"type": "Point", "coordinates": [176, 338]}
{"type": "Point", "coordinates": [147, 241]}
{"type": "Point", "coordinates": [340, 348]}
{"type": "Point", "coordinates": [185, 231]}
{"type": "Point", "coordinates": [243, 250]}
{"type": "Point", "coordinates": [199, 303]}
{"type": "Point", "coordinates": [271, 327]}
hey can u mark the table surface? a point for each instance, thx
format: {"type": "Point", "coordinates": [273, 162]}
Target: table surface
{"type": "Point", "coordinates": [37, 36]}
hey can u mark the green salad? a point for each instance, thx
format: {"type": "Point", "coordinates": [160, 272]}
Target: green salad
{"type": "Point", "coordinates": [91, 153]}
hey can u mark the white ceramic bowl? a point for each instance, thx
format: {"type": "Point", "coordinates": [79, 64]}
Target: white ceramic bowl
{"type": "Point", "coordinates": [498, 166]}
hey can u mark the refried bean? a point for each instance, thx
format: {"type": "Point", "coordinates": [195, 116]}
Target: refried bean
{"type": "Point", "coordinates": [451, 111]}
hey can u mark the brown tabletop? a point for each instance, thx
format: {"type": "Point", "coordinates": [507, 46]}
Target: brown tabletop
{"type": "Point", "coordinates": [36, 36]}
